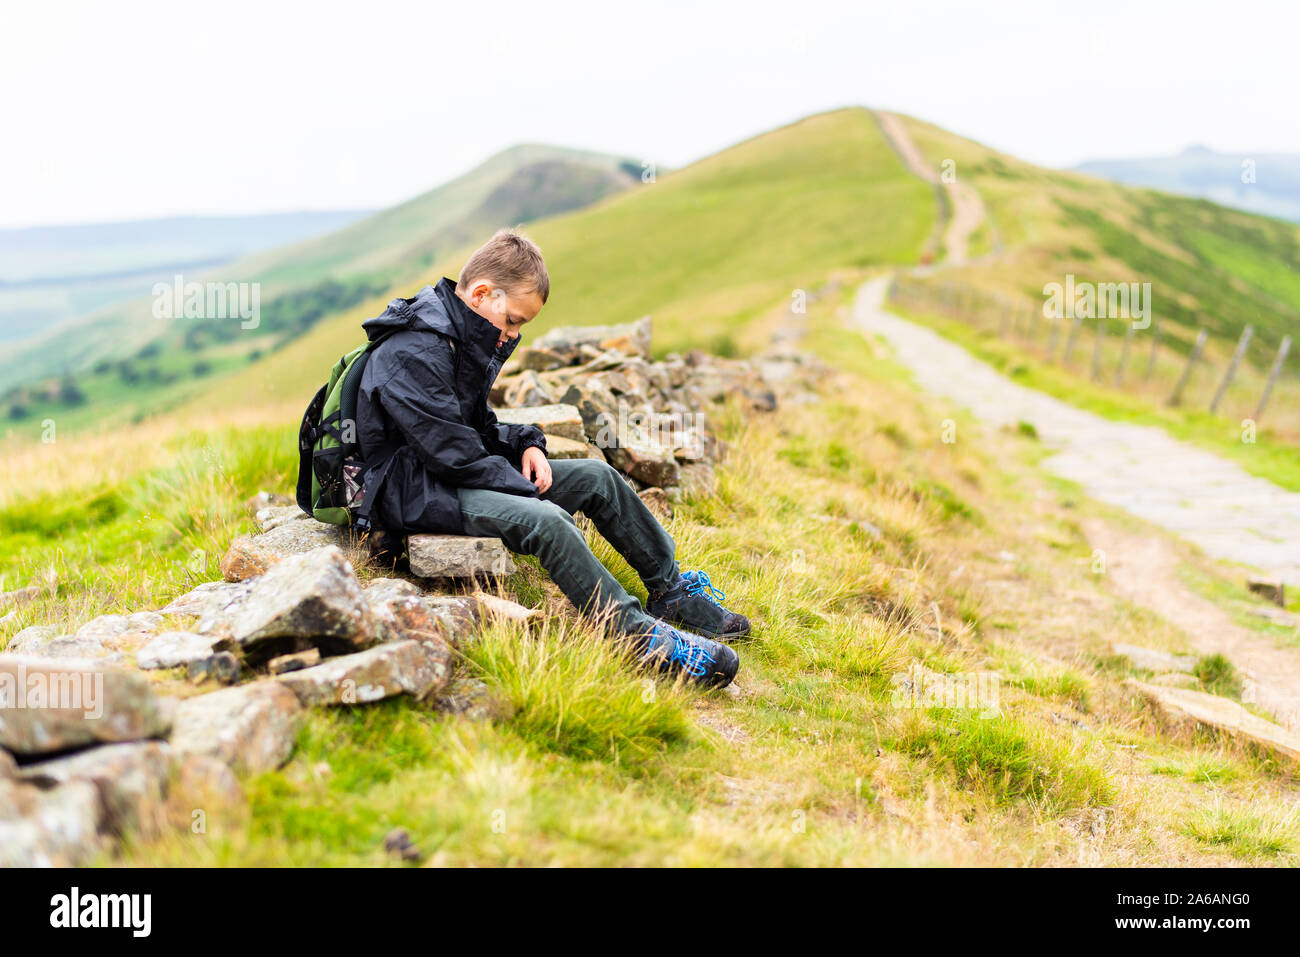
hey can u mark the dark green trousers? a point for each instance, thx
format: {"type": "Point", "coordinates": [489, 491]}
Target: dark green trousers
{"type": "Point", "coordinates": [545, 527]}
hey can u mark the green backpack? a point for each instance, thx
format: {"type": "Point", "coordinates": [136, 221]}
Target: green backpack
{"type": "Point", "coordinates": [329, 460]}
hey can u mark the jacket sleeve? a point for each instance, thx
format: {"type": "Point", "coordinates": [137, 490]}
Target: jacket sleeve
{"type": "Point", "coordinates": [511, 440]}
{"type": "Point", "coordinates": [419, 398]}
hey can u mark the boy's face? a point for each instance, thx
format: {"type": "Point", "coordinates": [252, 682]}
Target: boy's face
{"type": "Point", "coordinates": [508, 313]}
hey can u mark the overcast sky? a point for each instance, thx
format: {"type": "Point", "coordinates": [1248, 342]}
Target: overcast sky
{"type": "Point", "coordinates": [133, 109]}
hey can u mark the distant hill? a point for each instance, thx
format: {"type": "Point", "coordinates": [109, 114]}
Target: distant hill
{"type": "Point", "coordinates": [123, 360]}
{"type": "Point", "coordinates": [1201, 172]}
{"type": "Point", "coordinates": [49, 274]}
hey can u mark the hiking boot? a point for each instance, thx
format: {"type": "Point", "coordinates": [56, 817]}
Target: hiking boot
{"type": "Point", "coordinates": [701, 660]}
{"type": "Point", "coordinates": [695, 604]}
{"type": "Point", "coordinates": [385, 548]}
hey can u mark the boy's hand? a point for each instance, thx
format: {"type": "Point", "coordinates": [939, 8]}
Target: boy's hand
{"type": "Point", "coordinates": [536, 469]}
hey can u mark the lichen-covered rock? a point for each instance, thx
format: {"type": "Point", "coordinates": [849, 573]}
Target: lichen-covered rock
{"type": "Point", "coordinates": [175, 649]}
{"type": "Point", "coordinates": [458, 556]}
{"type": "Point", "coordinates": [646, 462]}
{"type": "Point", "coordinates": [407, 616]}
{"type": "Point", "coordinates": [598, 408]}
{"type": "Point", "coordinates": [559, 448]}
{"type": "Point", "coordinates": [30, 640]}
{"type": "Point", "coordinates": [208, 598]}
{"type": "Point", "coordinates": [560, 419]}
{"type": "Point", "coordinates": [220, 666]}
{"type": "Point", "coordinates": [656, 499]}
{"type": "Point", "coordinates": [55, 827]}
{"type": "Point", "coordinates": [252, 555]}
{"type": "Point", "coordinates": [312, 598]}
{"type": "Point", "coordinates": [294, 662]}
{"type": "Point", "coordinates": [458, 615]}
{"type": "Point", "coordinates": [273, 516]}
{"type": "Point", "coordinates": [49, 705]}
{"type": "Point", "coordinates": [251, 728]}
{"type": "Point", "coordinates": [629, 339]}
{"type": "Point", "coordinates": [131, 780]}
{"type": "Point", "coordinates": [416, 668]}
{"type": "Point", "coordinates": [527, 389]}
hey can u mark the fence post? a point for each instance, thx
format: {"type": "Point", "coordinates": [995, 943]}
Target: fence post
{"type": "Point", "coordinates": [1177, 395]}
{"type": "Point", "coordinates": [1069, 340]}
{"type": "Point", "coordinates": [1096, 349]}
{"type": "Point", "coordinates": [1282, 351]}
{"type": "Point", "coordinates": [1237, 353]}
{"type": "Point", "coordinates": [1123, 354]}
{"type": "Point", "coordinates": [1151, 359]}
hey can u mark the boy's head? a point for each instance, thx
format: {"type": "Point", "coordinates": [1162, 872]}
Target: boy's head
{"type": "Point", "coordinates": [505, 282]}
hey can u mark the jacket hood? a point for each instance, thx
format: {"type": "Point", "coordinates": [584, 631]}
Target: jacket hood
{"type": "Point", "coordinates": [439, 309]}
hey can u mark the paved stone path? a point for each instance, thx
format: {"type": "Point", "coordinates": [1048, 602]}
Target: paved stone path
{"type": "Point", "coordinates": [1204, 498]}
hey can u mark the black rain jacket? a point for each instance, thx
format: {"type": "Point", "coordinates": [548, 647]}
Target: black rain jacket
{"type": "Point", "coordinates": [423, 421]}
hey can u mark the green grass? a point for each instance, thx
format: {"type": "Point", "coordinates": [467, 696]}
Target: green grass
{"type": "Point", "coordinates": [1245, 834]}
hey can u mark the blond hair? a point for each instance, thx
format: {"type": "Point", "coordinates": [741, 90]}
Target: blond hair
{"type": "Point", "coordinates": [510, 261]}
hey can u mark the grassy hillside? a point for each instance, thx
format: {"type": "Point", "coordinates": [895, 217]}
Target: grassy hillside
{"type": "Point", "coordinates": [860, 543]}
{"type": "Point", "coordinates": [1209, 267]}
{"type": "Point", "coordinates": [131, 363]}
{"type": "Point", "coordinates": [708, 251]}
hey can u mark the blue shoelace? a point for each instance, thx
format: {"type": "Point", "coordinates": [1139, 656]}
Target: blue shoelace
{"type": "Point", "coordinates": [698, 585]}
{"type": "Point", "coordinates": [694, 658]}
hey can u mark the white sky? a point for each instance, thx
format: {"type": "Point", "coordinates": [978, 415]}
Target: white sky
{"type": "Point", "coordinates": [123, 110]}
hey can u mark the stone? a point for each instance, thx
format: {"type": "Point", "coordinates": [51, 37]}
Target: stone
{"type": "Point", "coordinates": [220, 666]}
{"type": "Point", "coordinates": [381, 589]}
{"type": "Point", "coordinates": [1187, 707]}
{"type": "Point", "coordinates": [415, 668]}
{"type": "Point", "coordinates": [397, 843]}
{"type": "Point", "coordinates": [174, 649]}
{"type": "Point", "coordinates": [208, 598]}
{"type": "Point", "coordinates": [252, 555]}
{"type": "Point", "coordinates": [563, 420]}
{"type": "Point", "coordinates": [630, 339]}
{"type": "Point", "coordinates": [656, 499]}
{"type": "Point", "coordinates": [294, 662]}
{"type": "Point", "coordinates": [54, 705]}
{"type": "Point", "coordinates": [527, 389]}
{"type": "Point", "coordinates": [266, 500]}
{"type": "Point", "coordinates": [472, 699]}
{"type": "Point", "coordinates": [1269, 590]}
{"type": "Point", "coordinates": [30, 640]}
{"type": "Point", "coordinates": [309, 599]}
{"type": "Point", "coordinates": [407, 616]}
{"type": "Point", "coordinates": [273, 516]}
{"type": "Point", "coordinates": [458, 616]}
{"type": "Point", "coordinates": [598, 407]}
{"type": "Point", "coordinates": [19, 596]}
{"type": "Point", "coordinates": [251, 728]}
{"type": "Point", "coordinates": [203, 781]}
{"type": "Point", "coordinates": [1152, 660]}
{"type": "Point", "coordinates": [538, 358]}
{"type": "Point", "coordinates": [54, 827]}
{"type": "Point", "coordinates": [559, 448]}
{"type": "Point", "coordinates": [492, 606]}
{"type": "Point", "coordinates": [646, 462]}
{"type": "Point", "coordinates": [697, 480]}
{"type": "Point", "coordinates": [131, 780]}
{"type": "Point", "coordinates": [458, 556]}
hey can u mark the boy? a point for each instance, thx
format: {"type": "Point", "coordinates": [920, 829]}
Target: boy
{"type": "Point", "coordinates": [437, 461]}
